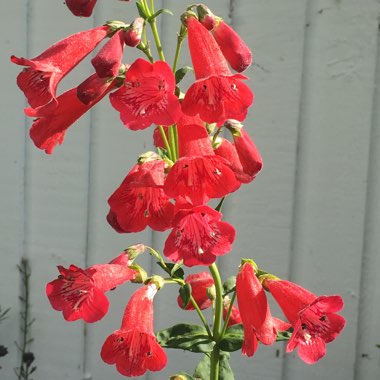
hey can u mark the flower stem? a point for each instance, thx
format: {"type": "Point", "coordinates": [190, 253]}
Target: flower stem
{"type": "Point", "coordinates": [166, 142]}
{"type": "Point", "coordinates": [201, 316]}
{"type": "Point", "coordinates": [228, 315]}
{"type": "Point", "coordinates": [215, 355]}
{"type": "Point", "coordinates": [181, 36]}
{"type": "Point", "coordinates": [157, 40]}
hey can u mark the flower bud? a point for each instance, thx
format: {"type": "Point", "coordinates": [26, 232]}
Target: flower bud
{"type": "Point", "coordinates": [134, 250]}
{"type": "Point", "coordinates": [206, 17]}
{"type": "Point", "coordinates": [132, 33]}
{"type": "Point", "coordinates": [81, 8]}
{"type": "Point", "coordinates": [232, 46]}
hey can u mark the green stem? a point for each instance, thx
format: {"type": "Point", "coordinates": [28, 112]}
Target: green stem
{"type": "Point", "coordinates": [215, 355]}
{"type": "Point", "coordinates": [173, 142]}
{"type": "Point", "coordinates": [201, 316]}
{"type": "Point", "coordinates": [180, 39]}
{"type": "Point", "coordinates": [166, 142]}
{"type": "Point", "coordinates": [157, 40]}
{"type": "Point", "coordinates": [228, 315]}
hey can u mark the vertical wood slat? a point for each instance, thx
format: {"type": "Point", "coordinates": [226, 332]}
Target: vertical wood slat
{"type": "Point", "coordinates": [12, 161]}
{"type": "Point", "coordinates": [261, 211]}
{"type": "Point", "coordinates": [368, 334]}
{"type": "Point", "coordinates": [332, 167]}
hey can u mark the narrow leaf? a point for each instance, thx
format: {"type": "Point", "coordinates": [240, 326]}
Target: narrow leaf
{"type": "Point", "coordinates": [180, 73]}
{"type": "Point", "coordinates": [229, 285]}
{"type": "Point", "coordinates": [185, 293]}
{"type": "Point", "coordinates": [167, 11]}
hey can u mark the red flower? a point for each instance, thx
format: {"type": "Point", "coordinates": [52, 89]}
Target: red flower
{"type": "Point", "coordinates": [254, 310]}
{"type": "Point", "coordinates": [81, 8]}
{"type": "Point", "coordinates": [199, 174]}
{"type": "Point", "coordinates": [79, 293]}
{"type": "Point", "coordinates": [232, 46]}
{"type": "Point", "coordinates": [249, 155]}
{"type": "Point", "coordinates": [235, 317]}
{"type": "Point", "coordinates": [216, 95]}
{"type": "Point", "coordinates": [140, 200]}
{"type": "Point", "coordinates": [147, 96]}
{"type": "Point", "coordinates": [52, 122]}
{"type": "Point", "coordinates": [199, 283]}
{"type": "Point", "coordinates": [314, 319]}
{"type": "Point", "coordinates": [108, 59]}
{"type": "Point", "coordinates": [198, 236]}
{"type": "Point", "coordinates": [40, 80]}
{"type": "Point", "coordinates": [134, 348]}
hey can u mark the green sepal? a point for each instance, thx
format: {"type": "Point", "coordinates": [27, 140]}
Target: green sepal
{"type": "Point", "coordinates": [229, 285]}
{"type": "Point", "coordinates": [233, 339]}
{"type": "Point", "coordinates": [283, 335]}
{"type": "Point", "coordinates": [180, 73]}
{"type": "Point", "coordinates": [163, 10]}
{"type": "Point", "coordinates": [185, 293]}
{"type": "Point", "coordinates": [203, 368]}
{"type": "Point", "coordinates": [187, 337]}
{"type": "Point", "coordinates": [173, 270]}
{"type": "Point", "coordinates": [141, 10]}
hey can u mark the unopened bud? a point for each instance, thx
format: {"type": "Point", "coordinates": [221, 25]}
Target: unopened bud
{"type": "Point", "coordinates": [177, 377]}
{"type": "Point", "coordinates": [211, 293]}
{"type": "Point", "coordinates": [206, 17]}
{"type": "Point", "coordinates": [133, 33]}
{"type": "Point", "coordinates": [134, 250]}
{"type": "Point", "coordinates": [234, 126]}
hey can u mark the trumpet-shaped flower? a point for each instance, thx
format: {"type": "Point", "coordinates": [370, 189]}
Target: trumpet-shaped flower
{"type": "Point", "coordinates": [134, 348]}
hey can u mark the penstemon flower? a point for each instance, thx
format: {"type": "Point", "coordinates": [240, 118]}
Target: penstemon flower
{"type": "Point", "coordinates": [203, 155]}
{"type": "Point", "coordinates": [134, 348]}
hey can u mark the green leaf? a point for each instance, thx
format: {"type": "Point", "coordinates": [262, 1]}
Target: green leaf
{"type": "Point", "coordinates": [185, 293]}
{"type": "Point", "coordinates": [175, 270]}
{"type": "Point", "coordinates": [225, 372]}
{"type": "Point", "coordinates": [184, 336]}
{"type": "Point", "coordinates": [163, 10]}
{"type": "Point", "coordinates": [180, 73]}
{"type": "Point", "coordinates": [233, 339]}
{"type": "Point", "coordinates": [141, 10]}
{"type": "Point", "coordinates": [229, 285]}
{"type": "Point", "coordinates": [283, 335]}
{"type": "Point", "coordinates": [203, 368]}
{"type": "Point", "coordinates": [169, 269]}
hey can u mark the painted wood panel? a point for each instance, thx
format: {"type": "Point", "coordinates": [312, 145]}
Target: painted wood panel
{"type": "Point", "coordinates": [312, 215]}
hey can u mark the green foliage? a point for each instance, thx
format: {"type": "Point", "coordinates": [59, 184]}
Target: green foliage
{"type": "Point", "coordinates": [180, 73]}
{"type": "Point", "coordinates": [229, 285]}
{"type": "Point", "coordinates": [225, 372]}
{"type": "Point", "coordinates": [233, 339]}
{"type": "Point", "coordinates": [185, 293]}
{"type": "Point", "coordinates": [184, 336]}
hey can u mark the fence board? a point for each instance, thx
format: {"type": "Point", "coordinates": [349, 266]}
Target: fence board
{"type": "Point", "coordinates": [12, 162]}
{"type": "Point", "coordinates": [332, 167]}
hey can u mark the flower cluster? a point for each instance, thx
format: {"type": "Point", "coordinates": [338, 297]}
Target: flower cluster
{"type": "Point", "coordinates": [203, 153]}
